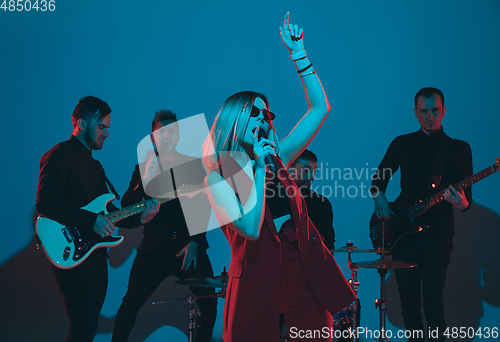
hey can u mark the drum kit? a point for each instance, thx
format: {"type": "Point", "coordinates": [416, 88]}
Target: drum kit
{"type": "Point", "coordinates": [217, 282]}
{"type": "Point", "coordinates": [347, 316]}
{"type": "Point", "coordinates": [382, 265]}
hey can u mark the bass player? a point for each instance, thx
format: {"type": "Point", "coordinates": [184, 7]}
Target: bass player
{"type": "Point", "coordinates": [427, 158]}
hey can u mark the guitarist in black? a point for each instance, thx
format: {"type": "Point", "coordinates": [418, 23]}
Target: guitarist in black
{"type": "Point", "coordinates": [69, 179]}
{"type": "Point", "coordinates": [430, 162]}
{"type": "Point", "coordinates": [171, 245]}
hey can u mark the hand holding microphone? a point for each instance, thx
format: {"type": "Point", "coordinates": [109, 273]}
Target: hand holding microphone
{"type": "Point", "coordinates": [263, 147]}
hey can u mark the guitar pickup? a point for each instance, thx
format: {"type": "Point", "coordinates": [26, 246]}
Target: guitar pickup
{"type": "Point", "coordinates": [67, 234]}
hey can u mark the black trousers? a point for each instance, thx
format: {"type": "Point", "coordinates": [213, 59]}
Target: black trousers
{"type": "Point", "coordinates": [148, 271]}
{"type": "Point", "coordinates": [428, 278]}
{"type": "Point", "coordinates": [83, 290]}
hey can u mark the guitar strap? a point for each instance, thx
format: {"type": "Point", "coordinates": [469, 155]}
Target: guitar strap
{"type": "Point", "coordinates": [111, 187]}
{"type": "Point", "coordinates": [435, 177]}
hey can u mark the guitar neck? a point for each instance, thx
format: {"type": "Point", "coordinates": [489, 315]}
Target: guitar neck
{"type": "Point", "coordinates": [121, 214]}
{"type": "Point", "coordinates": [439, 197]}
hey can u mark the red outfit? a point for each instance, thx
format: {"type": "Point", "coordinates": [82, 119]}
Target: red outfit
{"type": "Point", "coordinates": [257, 267]}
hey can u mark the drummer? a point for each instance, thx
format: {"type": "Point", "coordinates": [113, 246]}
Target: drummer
{"type": "Point", "coordinates": [168, 248]}
{"type": "Point", "coordinates": [320, 212]}
{"type": "Point", "coordinates": [319, 207]}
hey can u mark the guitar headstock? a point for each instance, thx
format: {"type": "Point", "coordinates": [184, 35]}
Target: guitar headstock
{"type": "Point", "coordinates": [496, 166]}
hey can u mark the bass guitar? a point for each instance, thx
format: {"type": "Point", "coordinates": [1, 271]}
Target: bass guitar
{"type": "Point", "coordinates": [404, 223]}
{"type": "Point", "coordinates": [67, 246]}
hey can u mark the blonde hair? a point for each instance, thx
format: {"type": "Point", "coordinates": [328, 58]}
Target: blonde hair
{"type": "Point", "coordinates": [229, 127]}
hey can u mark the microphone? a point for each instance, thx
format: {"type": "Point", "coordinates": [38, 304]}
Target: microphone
{"type": "Point", "coordinates": [269, 159]}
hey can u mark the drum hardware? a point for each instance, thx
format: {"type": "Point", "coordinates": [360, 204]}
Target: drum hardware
{"type": "Point", "coordinates": [383, 265]}
{"type": "Point", "coordinates": [353, 249]}
{"type": "Point", "coordinates": [342, 318]}
{"type": "Point", "coordinates": [223, 277]}
{"type": "Point", "coordinates": [202, 282]}
{"type": "Point", "coordinates": [219, 281]}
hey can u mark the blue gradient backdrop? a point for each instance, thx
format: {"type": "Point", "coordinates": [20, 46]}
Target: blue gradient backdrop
{"type": "Point", "coordinates": [141, 56]}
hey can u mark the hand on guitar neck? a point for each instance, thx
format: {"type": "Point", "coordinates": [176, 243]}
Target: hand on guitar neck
{"type": "Point", "coordinates": [104, 227]}
{"type": "Point", "coordinates": [456, 198]}
{"type": "Point", "coordinates": [452, 195]}
{"type": "Point", "coordinates": [152, 208]}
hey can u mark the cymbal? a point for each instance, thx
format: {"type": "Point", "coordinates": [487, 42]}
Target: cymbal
{"type": "Point", "coordinates": [385, 263]}
{"type": "Point", "coordinates": [223, 278]}
{"type": "Point", "coordinates": [203, 282]}
{"type": "Point", "coordinates": [354, 249]}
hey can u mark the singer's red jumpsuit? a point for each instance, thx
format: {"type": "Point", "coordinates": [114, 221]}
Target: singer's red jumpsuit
{"type": "Point", "coordinates": [269, 275]}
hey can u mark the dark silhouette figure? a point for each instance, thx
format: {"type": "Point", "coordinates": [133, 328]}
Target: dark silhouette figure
{"type": "Point", "coordinates": [473, 274]}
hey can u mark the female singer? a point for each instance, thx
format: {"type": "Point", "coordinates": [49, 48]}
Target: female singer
{"type": "Point", "coordinates": [279, 263]}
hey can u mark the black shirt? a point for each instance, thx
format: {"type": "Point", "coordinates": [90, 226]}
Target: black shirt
{"type": "Point", "coordinates": [320, 212]}
{"type": "Point", "coordinates": [171, 218]}
{"type": "Point", "coordinates": [415, 154]}
{"type": "Point", "coordinates": [70, 179]}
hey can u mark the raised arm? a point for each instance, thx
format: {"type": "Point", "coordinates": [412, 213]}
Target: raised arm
{"type": "Point", "coordinates": [318, 107]}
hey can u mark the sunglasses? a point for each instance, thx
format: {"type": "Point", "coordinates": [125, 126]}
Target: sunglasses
{"type": "Point", "coordinates": [268, 116]}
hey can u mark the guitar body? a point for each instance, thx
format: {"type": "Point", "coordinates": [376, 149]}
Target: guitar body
{"type": "Point", "coordinates": [67, 247]}
{"type": "Point", "coordinates": [390, 234]}
{"type": "Point", "coordinates": [406, 220]}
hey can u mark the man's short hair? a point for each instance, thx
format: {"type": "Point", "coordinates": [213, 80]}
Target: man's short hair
{"type": "Point", "coordinates": [163, 115]}
{"type": "Point", "coordinates": [90, 107]}
{"type": "Point", "coordinates": [428, 92]}
{"type": "Point", "coordinates": [307, 155]}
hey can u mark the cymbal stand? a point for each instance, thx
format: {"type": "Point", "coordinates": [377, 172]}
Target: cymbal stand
{"type": "Point", "coordinates": [355, 305]}
{"type": "Point", "coordinates": [192, 313]}
{"type": "Point", "coordinates": [381, 303]}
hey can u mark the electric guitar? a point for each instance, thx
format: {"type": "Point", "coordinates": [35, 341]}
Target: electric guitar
{"type": "Point", "coordinates": [404, 223]}
{"type": "Point", "coordinates": [67, 247]}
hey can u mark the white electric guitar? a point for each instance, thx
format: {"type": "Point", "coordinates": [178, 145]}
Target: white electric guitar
{"type": "Point", "coordinates": [67, 247]}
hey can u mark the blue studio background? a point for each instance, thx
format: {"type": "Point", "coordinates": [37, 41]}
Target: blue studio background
{"type": "Point", "coordinates": [142, 56]}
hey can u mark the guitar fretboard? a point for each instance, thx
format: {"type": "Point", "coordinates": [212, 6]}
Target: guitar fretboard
{"type": "Point", "coordinates": [425, 205]}
{"type": "Point", "coordinates": [121, 214]}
